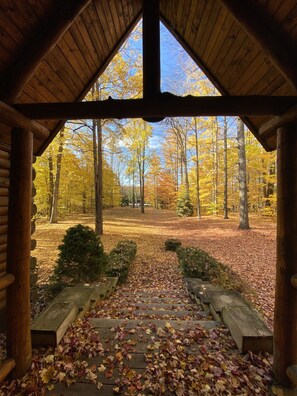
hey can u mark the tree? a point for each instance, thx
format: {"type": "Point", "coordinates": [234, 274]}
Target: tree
{"type": "Point", "coordinates": [225, 169]}
{"type": "Point", "coordinates": [137, 134]}
{"type": "Point", "coordinates": [197, 170]}
{"type": "Point", "coordinates": [54, 205]}
{"type": "Point", "coordinates": [243, 199]}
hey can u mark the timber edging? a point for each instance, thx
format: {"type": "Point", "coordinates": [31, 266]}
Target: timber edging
{"type": "Point", "coordinates": [247, 328]}
{"type": "Point", "coordinates": [72, 302]}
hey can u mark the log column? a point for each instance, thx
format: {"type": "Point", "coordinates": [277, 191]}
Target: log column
{"type": "Point", "coordinates": [285, 328]}
{"type": "Point", "coordinates": [151, 52]}
{"type": "Point", "coordinates": [18, 251]}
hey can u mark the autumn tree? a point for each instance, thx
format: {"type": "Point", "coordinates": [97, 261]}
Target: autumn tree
{"type": "Point", "coordinates": [243, 198]}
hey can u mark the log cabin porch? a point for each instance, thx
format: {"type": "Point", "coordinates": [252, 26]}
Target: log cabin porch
{"type": "Point", "coordinates": [52, 53]}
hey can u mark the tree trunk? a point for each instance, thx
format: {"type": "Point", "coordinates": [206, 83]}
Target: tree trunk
{"type": "Point", "coordinates": [54, 214]}
{"type": "Point", "coordinates": [243, 200]}
{"type": "Point", "coordinates": [133, 189]}
{"type": "Point", "coordinates": [215, 168]}
{"type": "Point", "coordinates": [51, 183]}
{"type": "Point", "coordinates": [84, 201]}
{"type": "Point", "coordinates": [225, 169]}
{"type": "Point", "coordinates": [97, 153]}
{"type": "Point", "coordinates": [197, 172]}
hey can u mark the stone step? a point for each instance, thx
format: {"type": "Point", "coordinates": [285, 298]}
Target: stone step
{"type": "Point", "coordinates": [51, 325]}
{"type": "Point", "coordinates": [82, 296]}
{"type": "Point", "coordinates": [140, 342]}
{"type": "Point", "coordinates": [248, 330]}
{"type": "Point", "coordinates": [173, 307]}
{"type": "Point", "coordinates": [80, 389]}
{"type": "Point", "coordinates": [160, 313]}
{"type": "Point", "coordinates": [160, 300]}
{"type": "Point", "coordinates": [154, 293]}
{"type": "Point", "coordinates": [133, 323]}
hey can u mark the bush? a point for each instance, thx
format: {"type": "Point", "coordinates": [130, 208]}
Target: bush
{"type": "Point", "coordinates": [197, 263]}
{"type": "Point", "coordinates": [81, 257]}
{"type": "Point", "coordinates": [172, 244]}
{"type": "Point", "coordinates": [120, 258]}
{"type": "Point", "coordinates": [184, 207]}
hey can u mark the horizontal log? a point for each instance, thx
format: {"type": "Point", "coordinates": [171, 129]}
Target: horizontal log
{"type": "Point", "coordinates": [3, 229]}
{"type": "Point", "coordinates": [3, 266]}
{"type": "Point", "coordinates": [33, 244]}
{"type": "Point", "coordinates": [294, 281]}
{"type": "Point", "coordinates": [4, 173]}
{"type": "Point", "coordinates": [276, 122]}
{"type": "Point", "coordinates": [4, 182]}
{"type": "Point", "coordinates": [3, 191]}
{"type": "Point", "coordinates": [33, 227]}
{"type": "Point", "coordinates": [3, 201]}
{"type": "Point", "coordinates": [4, 154]}
{"type": "Point", "coordinates": [166, 105]}
{"type": "Point", "coordinates": [6, 367]}
{"type": "Point", "coordinates": [292, 374]}
{"type": "Point", "coordinates": [6, 281]}
{"type": "Point", "coordinates": [3, 247]}
{"type": "Point", "coordinates": [3, 210]}
{"type": "Point", "coordinates": [12, 118]}
{"type": "Point", "coordinates": [4, 163]}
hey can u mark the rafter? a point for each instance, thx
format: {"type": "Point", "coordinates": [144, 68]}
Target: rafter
{"type": "Point", "coordinates": [274, 41]}
{"type": "Point", "coordinates": [50, 30]}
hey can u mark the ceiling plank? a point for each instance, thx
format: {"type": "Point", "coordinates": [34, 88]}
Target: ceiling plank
{"type": "Point", "coordinates": [50, 30]}
{"type": "Point", "coordinates": [166, 105]}
{"type": "Point", "coordinates": [274, 41]}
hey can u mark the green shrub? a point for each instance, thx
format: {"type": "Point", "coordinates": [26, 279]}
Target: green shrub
{"type": "Point", "coordinates": [81, 257]}
{"type": "Point", "coordinates": [120, 258]}
{"type": "Point", "coordinates": [184, 207]}
{"type": "Point", "coordinates": [172, 244]}
{"type": "Point", "coordinates": [197, 263]}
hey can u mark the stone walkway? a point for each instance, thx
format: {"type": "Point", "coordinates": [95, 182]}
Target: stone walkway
{"type": "Point", "coordinates": [143, 320]}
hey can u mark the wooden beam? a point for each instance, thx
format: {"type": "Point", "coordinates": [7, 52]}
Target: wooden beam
{"type": "Point", "coordinates": [12, 118]}
{"type": "Point", "coordinates": [285, 317]}
{"type": "Point", "coordinates": [5, 368]}
{"type": "Point", "coordinates": [276, 122]}
{"type": "Point", "coordinates": [6, 281]}
{"type": "Point", "coordinates": [56, 21]}
{"type": "Point", "coordinates": [166, 105]}
{"type": "Point", "coordinates": [257, 21]}
{"type": "Point", "coordinates": [151, 51]}
{"type": "Point", "coordinates": [18, 251]}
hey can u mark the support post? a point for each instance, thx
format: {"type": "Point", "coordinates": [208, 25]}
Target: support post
{"type": "Point", "coordinates": [285, 320]}
{"type": "Point", "coordinates": [18, 251]}
{"type": "Point", "coordinates": [151, 52]}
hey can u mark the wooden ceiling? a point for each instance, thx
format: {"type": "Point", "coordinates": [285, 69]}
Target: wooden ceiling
{"type": "Point", "coordinates": [231, 58]}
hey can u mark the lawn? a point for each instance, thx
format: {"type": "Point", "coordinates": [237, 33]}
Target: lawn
{"type": "Point", "coordinates": [251, 254]}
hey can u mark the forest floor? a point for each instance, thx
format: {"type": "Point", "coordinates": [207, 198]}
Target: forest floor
{"type": "Point", "coordinates": [251, 254]}
{"type": "Point", "coordinates": [218, 370]}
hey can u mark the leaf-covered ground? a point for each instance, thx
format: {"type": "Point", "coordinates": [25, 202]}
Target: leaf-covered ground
{"type": "Point", "coordinates": [216, 368]}
{"type": "Point", "coordinates": [251, 254]}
